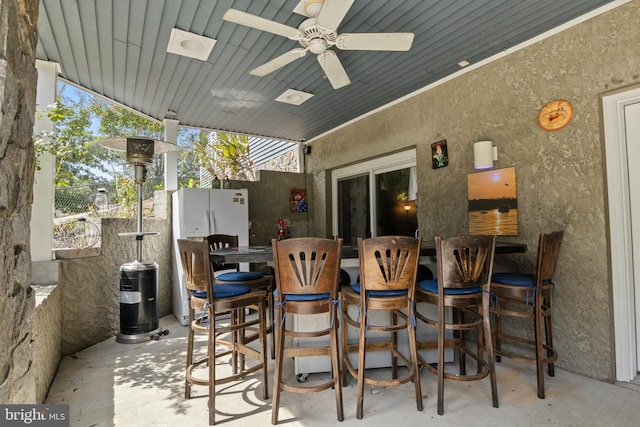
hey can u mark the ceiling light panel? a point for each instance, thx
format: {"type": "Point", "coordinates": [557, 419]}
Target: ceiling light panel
{"type": "Point", "coordinates": [190, 45]}
{"type": "Point", "coordinates": [294, 97]}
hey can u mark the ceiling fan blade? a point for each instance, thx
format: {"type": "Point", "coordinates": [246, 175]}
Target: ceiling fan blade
{"type": "Point", "coordinates": [333, 69]}
{"type": "Point", "coordinates": [375, 41]}
{"type": "Point", "coordinates": [259, 23]}
{"type": "Point", "coordinates": [278, 62]}
{"type": "Point", "coordinates": [333, 12]}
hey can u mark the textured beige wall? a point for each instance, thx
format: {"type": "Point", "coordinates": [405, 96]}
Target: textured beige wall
{"type": "Point", "coordinates": [269, 198]}
{"type": "Point", "coordinates": [560, 175]}
{"type": "Point", "coordinates": [91, 286]}
{"type": "Point", "coordinates": [47, 333]}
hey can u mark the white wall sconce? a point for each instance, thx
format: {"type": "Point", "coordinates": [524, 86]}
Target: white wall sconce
{"type": "Point", "coordinates": [484, 154]}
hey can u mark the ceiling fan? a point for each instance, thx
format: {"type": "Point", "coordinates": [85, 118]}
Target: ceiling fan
{"type": "Point", "coordinates": [317, 34]}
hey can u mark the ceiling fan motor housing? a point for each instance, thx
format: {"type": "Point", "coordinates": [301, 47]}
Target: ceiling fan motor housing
{"type": "Point", "coordinates": [316, 38]}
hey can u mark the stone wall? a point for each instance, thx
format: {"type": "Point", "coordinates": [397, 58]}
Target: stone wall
{"type": "Point", "coordinates": [18, 39]}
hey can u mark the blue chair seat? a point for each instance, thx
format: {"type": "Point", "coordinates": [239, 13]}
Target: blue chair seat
{"type": "Point", "coordinates": [302, 297]}
{"type": "Point", "coordinates": [199, 294]}
{"type": "Point", "coordinates": [432, 286]}
{"type": "Point", "coordinates": [240, 276]}
{"type": "Point", "coordinates": [517, 279]}
{"type": "Point", "coordinates": [223, 291]}
{"type": "Point", "coordinates": [394, 293]}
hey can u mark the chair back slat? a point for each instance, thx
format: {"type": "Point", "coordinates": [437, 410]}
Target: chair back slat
{"type": "Point", "coordinates": [222, 241]}
{"type": "Point", "coordinates": [548, 254]}
{"type": "Point", "coordinates": [388, 262]}
{"type": "Point", "coordinates": [307, 265]}
{"type": "Point", "coordinates": [466, 261]}
{"type": "Point", "coordinates": [194, 256]}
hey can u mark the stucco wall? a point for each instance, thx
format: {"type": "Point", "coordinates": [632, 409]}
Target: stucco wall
{"type": "Point", "coordinates": [47, 334]}
{"type": "Point", "coordinates": [269, 199]}
{"type": "Point", "coordinates": [91, 286]}
{"type": "Point", "coordinates": [560, 175]}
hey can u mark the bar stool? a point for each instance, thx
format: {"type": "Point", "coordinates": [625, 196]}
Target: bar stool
{"type": "Point", "coordinates": [530, 296]}
{"type": "Point", "coordinates": [307, 273]}
{"type": "Point", "coordinates": [388, 270]}
{"type": "Point", "coordinates": [465, 264]}
{"type": "Point", "coordinates": [215, 299]}
{"type": "Point", "coordinates": [233, 276]}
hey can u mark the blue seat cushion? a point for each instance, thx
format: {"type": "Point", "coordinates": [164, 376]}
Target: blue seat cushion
{"type": "Point", "coordinates": [517, 279]}
{"type": "Point", "coordinates": [302, 297]}
{"type": "Point", "coordinates": [199, 294]}
{"type": "Point", "coordinates": [223, 291]}
{"type": "Point", "coordinates": [229, 290]}
{"type": "Point", "coordinates": [240, 276]}
{"type": "Point", "coordinates": [393, 293]}
{"type": "Point", "coordinates": [432, 286]}
{"type": "Point", "coordinates": [514, 279]}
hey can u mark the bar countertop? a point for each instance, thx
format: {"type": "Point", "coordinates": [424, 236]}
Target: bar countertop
{"type": "Point", "coordinates": [256, 254]}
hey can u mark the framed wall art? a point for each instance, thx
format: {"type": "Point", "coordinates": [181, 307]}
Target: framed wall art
{"type": "Point", "coordinates": [439, 154]}
{"type": "Point", "coordinates": [298, 200]}
{"type": "Point", "coordinates": [493, 203]}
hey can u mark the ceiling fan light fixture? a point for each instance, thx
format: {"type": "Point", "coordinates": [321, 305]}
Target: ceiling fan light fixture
{"type": "Point", "coordinates": [190, 45]}
{"type": "Point", "coordinates": [317, 46]}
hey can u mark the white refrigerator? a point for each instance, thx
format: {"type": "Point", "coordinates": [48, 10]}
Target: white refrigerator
{"type": "Point", "coordinates": [197, 213]}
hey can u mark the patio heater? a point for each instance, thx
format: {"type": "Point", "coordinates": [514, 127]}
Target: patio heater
{"type": "Point", "coordinates": [139, 279]}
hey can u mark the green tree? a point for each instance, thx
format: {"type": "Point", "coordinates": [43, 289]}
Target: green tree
{"type": "Point", "coordinates": [82, 164]}
{"type": "Point", "coordinates": [78, 162]}
{"type": "Point", "coordinates": [226, 157]}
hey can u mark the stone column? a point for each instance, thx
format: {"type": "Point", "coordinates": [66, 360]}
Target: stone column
{"type": "Point", "coordinates": [18, 40]}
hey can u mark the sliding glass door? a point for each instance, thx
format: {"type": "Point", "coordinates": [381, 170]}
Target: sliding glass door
{"type": "Point", "coordinates": [375, 198]}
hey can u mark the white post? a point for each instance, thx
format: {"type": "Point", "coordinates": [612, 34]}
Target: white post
{"type": "Point", "coordinates": [43, 186]}
{"type": "Point", "coordinates": [171, 158]}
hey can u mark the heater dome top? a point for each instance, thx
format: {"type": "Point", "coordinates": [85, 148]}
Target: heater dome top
{"type": "Point", "coordinates": [120, 143]}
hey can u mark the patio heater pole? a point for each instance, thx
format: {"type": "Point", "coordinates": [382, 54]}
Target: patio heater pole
{"type": "Point", "coordinates": [139, 279]}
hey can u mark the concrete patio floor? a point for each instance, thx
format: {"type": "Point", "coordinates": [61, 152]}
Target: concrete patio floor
{"type": "Point", "coordinates": [112, 384]}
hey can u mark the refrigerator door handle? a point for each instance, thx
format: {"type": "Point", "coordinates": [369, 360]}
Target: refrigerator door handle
{"type": "Point", "coordinates": [212, 222]}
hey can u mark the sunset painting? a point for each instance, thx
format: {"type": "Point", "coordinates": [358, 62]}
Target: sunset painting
{"type": "Point", "coordinates": [493, 205]}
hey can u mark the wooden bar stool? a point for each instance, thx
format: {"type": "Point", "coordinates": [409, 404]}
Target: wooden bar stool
{"type": "Point", "coordinates": [307, 274]}
{"type": "Point", "coordinates": [525, 295]}
{"type": "Point", "coordinates": [214, 299]}
{"type": "Point", "coordinates": [465, 264]}
{"type": "Point", "coordinates": [388, 270]}
{"type": "Point", "coordinates": [232, 275]}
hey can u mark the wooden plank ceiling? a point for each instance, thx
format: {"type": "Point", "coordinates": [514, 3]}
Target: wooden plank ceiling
{"type": "Point", "coordinates": [118, 49]}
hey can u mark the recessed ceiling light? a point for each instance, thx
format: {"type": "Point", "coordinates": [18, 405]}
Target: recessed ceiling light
{"type": "Point", "coordinates": [190, 44]}
{"type": "Point", "coordinates": [294, 97]}
{"type": "Point", "coordinates": [463, 63]}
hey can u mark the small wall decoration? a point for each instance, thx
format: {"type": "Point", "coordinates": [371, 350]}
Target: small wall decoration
{"type": "Point", "coordinates": [493, 203]}
{"type": "Point", "coordinates": [555, 115]}
{"type": "Point", "coordinates": [298, 201]}
{"type": "Point", "coordinates": [439, 154]}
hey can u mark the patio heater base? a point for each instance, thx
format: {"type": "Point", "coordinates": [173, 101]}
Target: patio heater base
{"type": "Point", "coordinates": [138, 338]}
